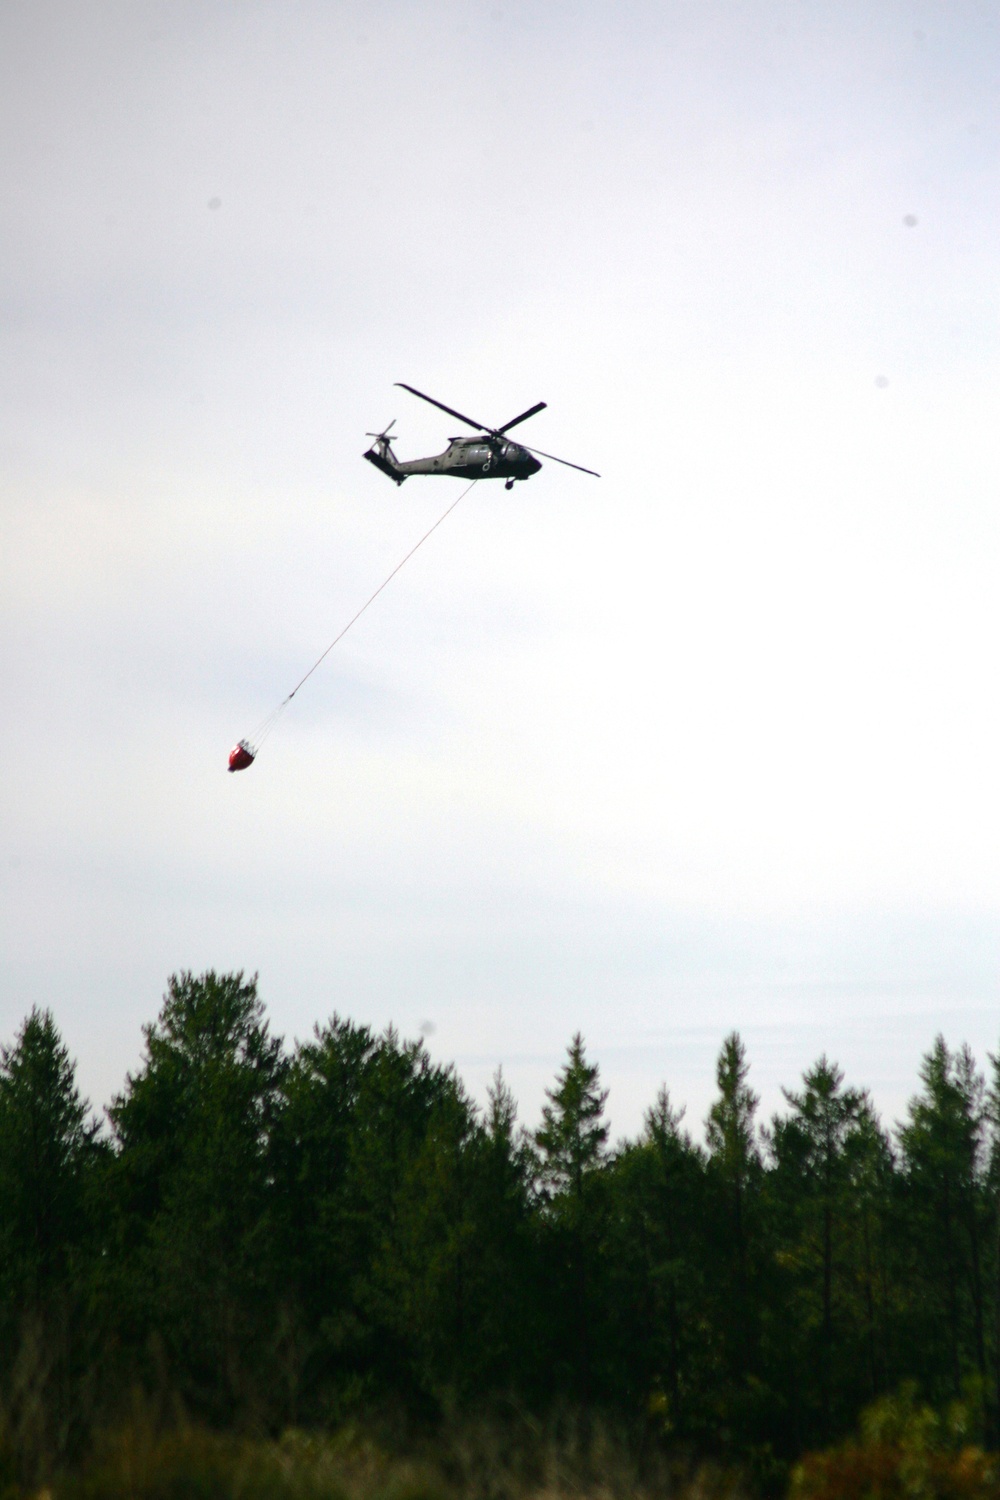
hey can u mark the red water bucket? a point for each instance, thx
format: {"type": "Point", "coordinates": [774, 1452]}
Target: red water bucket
{"type": "Point", "coordinates": [240, 756]}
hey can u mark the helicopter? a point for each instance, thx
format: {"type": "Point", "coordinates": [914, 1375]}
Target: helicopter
{"type": "Point", "coordinates": [490, 454]}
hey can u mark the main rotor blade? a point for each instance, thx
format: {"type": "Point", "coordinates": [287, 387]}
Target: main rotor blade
{"type": "Point", "coordinates": [561, 461]}
{"type": "Point", "coordinates": [477, 426]}
{"type": "Point", "coordinates": [540, 406]}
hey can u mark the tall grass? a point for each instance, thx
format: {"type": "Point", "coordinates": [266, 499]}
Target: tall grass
{"type": "Point", "coordinates": [146, 1456]}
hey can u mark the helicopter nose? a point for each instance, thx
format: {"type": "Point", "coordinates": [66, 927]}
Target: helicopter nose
{"type": "Point", "coordinates": [532, 465]}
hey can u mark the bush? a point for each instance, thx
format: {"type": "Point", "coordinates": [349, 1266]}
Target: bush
{"type": "Point", "coordinates": [906, 1451]}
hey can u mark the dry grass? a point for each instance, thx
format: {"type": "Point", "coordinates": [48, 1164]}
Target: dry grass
{"type": "Point", "coordinates": [567, 1459]}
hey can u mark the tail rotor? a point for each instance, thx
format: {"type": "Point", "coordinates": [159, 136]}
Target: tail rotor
{"type": "Point", "coordinates": [381, 455]}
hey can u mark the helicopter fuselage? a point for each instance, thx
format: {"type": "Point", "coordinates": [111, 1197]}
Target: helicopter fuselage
{"type": "Point", "coordinates": [465, 458]}
{"type": "Point", "coordinates": [473, 458]}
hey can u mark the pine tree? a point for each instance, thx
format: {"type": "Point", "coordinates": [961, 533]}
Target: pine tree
{"type": "Point", "coordinates": [810, 1148]}
{"type": "Point", "coordinates": [371, 1157]}
{"type": "Point", "coordinates": [50, 1157]}
{"type": "Point", "coordinates": [571, 1142]}
{"type": "Point", "coordinates": [47, 1148]}
{"type": "Point", "coordinates": [508, 1351]}
{"type": "Point", "coordinates": [992, 1118]}
{"type": "Point", "coordinates": [735, 1167]}
{"type": "Point", "coordinates": [657, 1307]}
{"type": "Point", "coordinates": [871, 1192]}
{"type": "Point", "coordinates": [193, 1181]}
{"type": "Point", "coordinates": [943, 1148]}
{"type": "Point", "coordinates": [573, 1135]}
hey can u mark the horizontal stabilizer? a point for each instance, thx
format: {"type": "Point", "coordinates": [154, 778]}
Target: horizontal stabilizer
{"type": "Point", "coordinates": [385, 464]}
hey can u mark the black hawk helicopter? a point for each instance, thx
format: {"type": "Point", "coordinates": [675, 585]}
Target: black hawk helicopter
{"type": "Point", "coordinates": [488, 455]}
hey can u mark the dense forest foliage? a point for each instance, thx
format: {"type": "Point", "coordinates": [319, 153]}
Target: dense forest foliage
{"type": "Point", "coordinates": [289, 1237]}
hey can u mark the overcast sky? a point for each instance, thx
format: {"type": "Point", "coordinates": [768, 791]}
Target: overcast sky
{"type": "Point", "coordinates": [710, 742]}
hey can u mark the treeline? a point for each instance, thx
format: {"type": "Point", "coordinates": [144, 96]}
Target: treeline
{"type": "Point", "coordinates": [288, 1238]}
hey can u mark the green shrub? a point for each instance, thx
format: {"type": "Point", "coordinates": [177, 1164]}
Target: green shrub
{"type": "Point", "coordinates": [906, 1451]}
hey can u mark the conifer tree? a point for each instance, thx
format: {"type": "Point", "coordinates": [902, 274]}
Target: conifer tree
{"type": "Point", "coordinates": [47, 1147]}
{"type": "Point", "coordinates": [810, 1149]}
{"type": "Point", "coordinates": [871, 1193]}
{"type": "Point", "coordinates": [735, 1166]}
{"type": "Point", "coordinates": [573, 1134]}
{"type": "Point", "coordinates": [422, 1287]}
{"type": "Point", "coordinates": [501, 1175]}
{"type": "Point", "coordinates": [992, 1117]}
{"type": "Point", "coordinates": [943, 1147]}
{"type": "Point", "coordinates": [193, 1183]}
{"type": "Point", "coordinates": [49, 1160]}
{"type": "Point", "coordinates": [371, 1162]}
{"type": "Point", "coordinates": [571, 1142]}
{"type": "Point", "coordinates": [655, 1234]}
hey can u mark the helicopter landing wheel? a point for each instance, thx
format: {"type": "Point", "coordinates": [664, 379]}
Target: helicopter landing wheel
{"type": "Point", "coordinates": [509, 485]}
